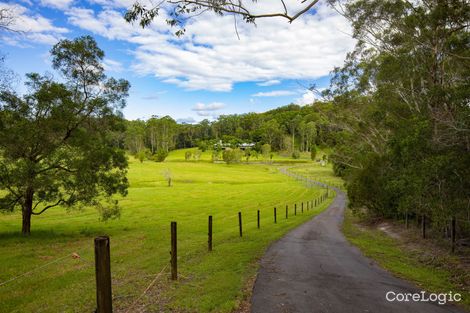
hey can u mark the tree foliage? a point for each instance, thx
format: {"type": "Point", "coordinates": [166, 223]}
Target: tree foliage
{"type": "Point", "coordinates": [312, 127]}
{"type": "Point", "coordinates": [401, 104]}
{"type": "Point", "coordinates": [56, 142]}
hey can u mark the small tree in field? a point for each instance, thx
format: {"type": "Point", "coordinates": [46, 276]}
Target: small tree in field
{"type": "Point", "coordinates": [56, 143]}
{"type": "Point", "coordinates": [266, 151]}
{"type": "Point", "coordinates": [168, 176]}
{"type": "Point", "coordinates": [141, 155]}
{"type": "Point", "coordinates": [187, 155]}
{"type": "Point", "coordinates": [232, 155]}
{"type": "Point", "coordinates": [313, 152]}
{"type": "Point", "coordinates": [160, 155]}
{"type": "Point", "coordinates": [247, 154]}
{"type": "Point", "coordinates": [197, 154]}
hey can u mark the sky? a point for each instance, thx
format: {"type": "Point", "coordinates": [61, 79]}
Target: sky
{"type": "Point", "coordinates": [207, 72]}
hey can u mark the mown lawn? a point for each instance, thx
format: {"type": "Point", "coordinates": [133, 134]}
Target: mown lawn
{"type": "Point", "coordinates": [209, 282]}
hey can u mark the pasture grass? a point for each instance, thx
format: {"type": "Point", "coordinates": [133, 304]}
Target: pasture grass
{"type": "Point", "coordinates": [140, 241]}
{"type": "Point", "coordinates": [317, 172]}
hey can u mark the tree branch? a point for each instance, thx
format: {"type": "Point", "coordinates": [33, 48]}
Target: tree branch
{"type": "Point", "coordinates": [47, 207]}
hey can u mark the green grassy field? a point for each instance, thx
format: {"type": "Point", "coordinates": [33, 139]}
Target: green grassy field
{"type": "Point", "coordinates": [319, 173]}
{"type": "Point", "coordinates": [209, 282]}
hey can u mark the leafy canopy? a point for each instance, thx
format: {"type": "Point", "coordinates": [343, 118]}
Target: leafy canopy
{"type": "Point", "coordinates": [56, 142]}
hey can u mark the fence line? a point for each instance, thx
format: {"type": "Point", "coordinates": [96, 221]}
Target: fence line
{"type": "Point", "coordinates": [37, 268]}
{"type": "Point", "coordinates": [102, 253]}
{"type": "Point", "coordinates": [146, 289]}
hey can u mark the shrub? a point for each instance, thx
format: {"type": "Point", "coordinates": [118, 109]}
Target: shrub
{"type": "Point", "coordinates": [197, 154]}
{"type": "Point", "coordinates": [160, 155]}
{"type": "Point", "coordinates": [296, 154]}
{"type": "Point", "coordinates": [266, 150]}
{"type": "Point", "coordinates": [313, 153]}
{"type": "Point", "coordinates": [232, 155]}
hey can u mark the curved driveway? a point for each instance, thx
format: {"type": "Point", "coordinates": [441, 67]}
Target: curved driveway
{"type": "Point", "coordinates": [314, 269]}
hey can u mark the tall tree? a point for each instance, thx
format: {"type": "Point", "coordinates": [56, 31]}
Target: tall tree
{"type": "Point", "coordinates": [402, 101]}
{"type": "Point", "coordinates": [56, 147]}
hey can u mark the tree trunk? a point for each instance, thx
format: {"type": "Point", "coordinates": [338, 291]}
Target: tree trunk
{"type": "Point", "coordinates": [293, 141]}
{"type": "Point", "coordinates": [26, 228]}
{"type": "Point", "coordinates": [27, 211]}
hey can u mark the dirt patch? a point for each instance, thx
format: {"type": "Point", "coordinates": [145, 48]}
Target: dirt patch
{"type": "Point", "coordinates": [245, 303]}
{"type": "Point", "coordinates": [388, 229]}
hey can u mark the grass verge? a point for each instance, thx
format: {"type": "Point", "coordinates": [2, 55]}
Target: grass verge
{"type": "Point", "coordinates": [433, 274]}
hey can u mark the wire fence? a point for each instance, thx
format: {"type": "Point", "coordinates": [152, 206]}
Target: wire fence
{"type": "Point", "coordinates": [102, 256]}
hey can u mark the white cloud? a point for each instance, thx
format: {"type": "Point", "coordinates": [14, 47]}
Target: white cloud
{"type": "Point", "coordinates": [271, 82]}
{"type": "Point", "coordinates": [207, 114]}
{"type": "Point", "coordinates": [211, 57]}
{"type": "Point", "coordinates": [274, 93]}
{"type": "Point", "coordinates": [118, 4]}
{"type": "Point", "coordinates": [214, 106]}
{"type": "Point", "coordinates": [112, 65]}
{"type": "Point", "coordinates": [31, 27]}
{"type": "Point", "coordinates": [186, 120]}
{"type": "Point", "coordinates": [57, 4]}
{"type": "Point", "coordinates": [309, 97]}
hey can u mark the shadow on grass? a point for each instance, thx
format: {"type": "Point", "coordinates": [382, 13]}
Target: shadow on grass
{"type": "Point", "coordinates": [50, 235]}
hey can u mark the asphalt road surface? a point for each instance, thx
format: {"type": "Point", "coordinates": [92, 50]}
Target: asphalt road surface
{"type": "Point", "coordinates": [314, 269]}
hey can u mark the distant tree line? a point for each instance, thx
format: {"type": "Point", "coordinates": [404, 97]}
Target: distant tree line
{"type": "Point", "coordinates": [291, 128]}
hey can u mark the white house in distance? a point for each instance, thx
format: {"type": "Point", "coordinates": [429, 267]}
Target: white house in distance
{"type": "Point", "coordinates": [242, 146]}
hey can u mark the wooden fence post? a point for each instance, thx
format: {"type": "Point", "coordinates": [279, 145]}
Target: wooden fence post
{"type": "Point", "coordinates": [308, 204]}
{"type": "Point", "coordinates": [104, 300]}
{"type": "Point", "coordinates": [174, 253]}
{"type": "Point", "coordinates": [209, 242]}
{"type": "Point", "coordinates": [302, 207]}
{"type": "Point", "coordinates": [295, 209]}
{"type": "Point", "coordinates": [287, 211]}
{"type": "Point", "coordinates": [453, 233]}
{"type": "Point", "coordinates": [240, 223]}
{"type": "Point", "coordinates": [275, 215]}
{"type": "Point", "coordinates": [257, 219]}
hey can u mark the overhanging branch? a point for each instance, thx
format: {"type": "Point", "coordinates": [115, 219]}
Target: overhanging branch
{"type": "Point", "coordinates": [48, 207]}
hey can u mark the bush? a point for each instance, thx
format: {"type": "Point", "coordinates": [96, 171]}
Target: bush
{"type": "Point", "coordinates": [197, 154]}
{"type": "Point", "coordinates": [160, 155]}
{"type": "Point", "coordinates": [232, 155]}
{"type": "Point", "coordinates": [313, 153]}
{"type": "Point", "coordinates": [187, 155]}
{"type": "Point", "coordinates": [247, 154]}
{"type": "Point", "coordinates": [296, 154]}
{"type": "Point", "coordinates": [140, 156]}
{"type": "Point", "coordinates": [266, 150]}
{"type": "Point", "coordinates": [215, 155]}
{"type": "Point", "coordinates": [202, 145]}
